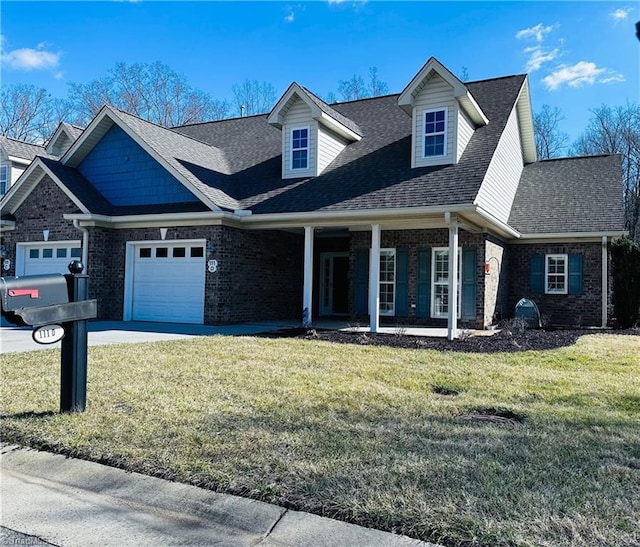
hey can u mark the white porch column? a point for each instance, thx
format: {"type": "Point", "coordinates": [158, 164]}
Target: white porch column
{"type": "Point", "coordinates": [307, 292]}
{"type": "Point", "coordinates": [605, 281]}
{"type": "Point", "coordinates": [452, 318]}
{"type": "Point", "coordinates": [374, 278]}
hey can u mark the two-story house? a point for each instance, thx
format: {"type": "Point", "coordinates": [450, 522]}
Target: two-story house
{"type": "Point", "coordinates": [427, 207]}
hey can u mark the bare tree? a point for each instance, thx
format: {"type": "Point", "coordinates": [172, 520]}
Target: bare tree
{"type": "Point", "coordinates": [616, 130]}
{"type": "Point", "coordinates": [550, 141]}
{"type": "Point", "coordinates": [356, 88]}
{"type": "Point", "coordinates": [376, 86]}
{"type": "Point", "coordinates": [29, 113]}
{"type": "Point", "coordinates": [152, 91]}
{"type": "Point", "coordinates": [252, 97]}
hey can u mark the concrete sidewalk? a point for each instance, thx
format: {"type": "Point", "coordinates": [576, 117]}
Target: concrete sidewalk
{"type": "Point", "coordinates": [48, 499]}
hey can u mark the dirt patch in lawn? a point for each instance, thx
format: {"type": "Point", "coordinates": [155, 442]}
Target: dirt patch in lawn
{"type": "Point", "coordinates": [503, 341]}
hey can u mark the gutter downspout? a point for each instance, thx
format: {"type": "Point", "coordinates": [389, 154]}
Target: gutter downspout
{"type": "Point", "coordinates": [605, 282]}
{"type": "Point", "coordinates": [85, 244]}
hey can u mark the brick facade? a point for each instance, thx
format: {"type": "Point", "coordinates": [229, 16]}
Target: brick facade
{"type": "Point", "coordinates": [259, 275]}
{"type": "Point", "coordinates": [560, 309]}
{"type": "Point", "coordinates": [41, 210]}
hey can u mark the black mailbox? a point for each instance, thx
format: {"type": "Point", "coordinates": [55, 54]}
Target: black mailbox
{"type": "Point", "coordinates": [31, 291]}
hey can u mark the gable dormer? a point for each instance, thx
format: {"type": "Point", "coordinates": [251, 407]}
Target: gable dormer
{"type": "Point", "coordinates": [62, 139]}
{"type": "Point", "coordinates": [313, 133]}
{"type": "Point", "coordinates": [444, 115]}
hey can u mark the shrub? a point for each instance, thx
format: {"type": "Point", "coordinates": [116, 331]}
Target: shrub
{"type": "Point", "coordinates": [625, 258]}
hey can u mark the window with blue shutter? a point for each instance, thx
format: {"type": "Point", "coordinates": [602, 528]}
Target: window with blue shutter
{"type": "Point", "coordinates": [468, 288]}
{"type": "Point", "coordinates": [362, 282]}
{"type": "Point", "coordinates": [424, 283]}
{"type": "Point", "coordinates": [537, 274]}
{"type": "Point", "coordinates": [575, 274]}
{"type": "Point", "coordinates": [402, 282]}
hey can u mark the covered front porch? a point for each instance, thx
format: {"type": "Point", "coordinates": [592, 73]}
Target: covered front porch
{"type": "Point", "coordinates": [394, 277]}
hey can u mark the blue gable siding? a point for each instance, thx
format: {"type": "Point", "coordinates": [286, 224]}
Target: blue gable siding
{"type": "Point", "coordinates": [125, 174]}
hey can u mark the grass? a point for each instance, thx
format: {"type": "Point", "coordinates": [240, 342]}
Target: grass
{"type": "Point", "coordinates": [370, 435]}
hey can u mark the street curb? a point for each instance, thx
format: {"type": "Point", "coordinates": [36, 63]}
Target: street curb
{"type": "Point", "coordinates": [231, 519]}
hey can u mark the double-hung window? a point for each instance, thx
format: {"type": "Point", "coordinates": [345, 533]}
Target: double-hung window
{"type": "Point", "coordinates": [4, 178]}
{"type": "Point", "coordinates": [556, 274]}
{"type": "Point", "coordinates": [300, 148]}
{"type": "Point", "coordinates": [435, 133]}
{"type": "Point", "coordinates": [387, 281]}
{"type": "Point", "coordinates": [440, 282]}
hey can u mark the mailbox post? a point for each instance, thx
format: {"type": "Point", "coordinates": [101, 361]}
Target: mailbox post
{"type": "Point", "coordinates": [48, 301]}
{"type": "Point", "coordinates": [73, 359]}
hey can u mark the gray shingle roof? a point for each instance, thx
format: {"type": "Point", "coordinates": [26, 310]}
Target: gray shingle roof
{"type": "Point", "coordinates": [330, 111]}
{"type": "Point", "coordinates": [569, 195]}
{"type": "Point", "coordinates": [21, 149]}
{"type": "Point", "coordinates": [372, 173]}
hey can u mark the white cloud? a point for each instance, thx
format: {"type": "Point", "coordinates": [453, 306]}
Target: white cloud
{"type": "Point", "coordinates": [582, 73]}
{"type": "Point", "coordinates": [290, 18]}
{"type": "Point", "coordinates": [538, 56]}
{"type": "Point", "coordinates": [620, 14]}
{"type": "Point", "coordinates": [538, 32]}
{"type": "Point", "coordinates": [30, 59]}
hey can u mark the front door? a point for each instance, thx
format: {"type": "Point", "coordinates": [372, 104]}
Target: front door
{"type": "Point", "coordinates": [334, 283]}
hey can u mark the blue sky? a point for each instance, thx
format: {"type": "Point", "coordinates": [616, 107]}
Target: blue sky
{"type": "Point", "coordinates": [579, 55]}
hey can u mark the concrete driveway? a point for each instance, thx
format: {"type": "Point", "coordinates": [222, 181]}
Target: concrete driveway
{"type": "Point", "coordinates": [14, 339]}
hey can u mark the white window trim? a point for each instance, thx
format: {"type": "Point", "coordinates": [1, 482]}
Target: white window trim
{"type": "Point", "coordinates": [565, 258]}
{"type": "Point", "coordinates": [433, 283]}
{"type": "Point", "coordinates": [6, 183]}
{"type": "Point", "coordinates": [389, 251]}
{"type": "Point", "coordinates": [307, 148]}
{"type": "Point", "coordinates": [445, 132]}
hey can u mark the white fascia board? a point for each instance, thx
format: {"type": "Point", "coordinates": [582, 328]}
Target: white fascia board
{"type": "Point", "coordinates": [472, 108]}
{"type": "Point", "coordinates": [28, 181]}
{"type": "Point", "coordinates": [570, 236]}
{"type": "Point", "coordinates": [342, 218]}
{"type": "Point", "coordinates": [406, 99]}
{"type": "Point", "coordinates": [21, 161]}
{"type": "Point", "coordinates": [76, 146]}
{"type": "Point", "coordinates": [337, 127]}
{"type": "Point", "coordinates": [498, 224]}
{"type": "Point", "coordinates": [205, 218]}
{"type": "Point", "coordinates": [276, 117]}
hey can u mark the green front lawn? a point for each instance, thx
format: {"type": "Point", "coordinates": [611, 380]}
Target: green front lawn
{"type": "Point", "coordinates": [370, 435]}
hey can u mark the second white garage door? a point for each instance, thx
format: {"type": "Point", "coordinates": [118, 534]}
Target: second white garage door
{"type": "Point", "coordinates": [167, 282]}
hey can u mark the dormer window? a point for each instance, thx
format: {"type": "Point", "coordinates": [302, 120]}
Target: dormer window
{"type": "Point", "coordinates": [300, 148]}
{"type": "Point", "coordinates": [435, 128]}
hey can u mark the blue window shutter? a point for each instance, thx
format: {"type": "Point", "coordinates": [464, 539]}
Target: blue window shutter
{"type": "Point", "coordinates": [424, 283]}
{"type": "Point", "coordinates": [468, 288]}
{"type": "Point", "coordinates": [362, 281]}
{"type": "Point", "coordinates": [575, 274]}
{"type": "Point", "coordinates": [402, 282]}
{"type": "Point", "coordinates": [537, 274]}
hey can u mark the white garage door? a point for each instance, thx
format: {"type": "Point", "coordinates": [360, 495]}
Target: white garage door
{"type": "Point", "coordinates": [47, 258]}
{"type": "Point", "coordinates": [168, 282]}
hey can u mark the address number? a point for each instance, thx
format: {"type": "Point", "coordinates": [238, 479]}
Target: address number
{"type": "Point", "coordinates": [48, 334]}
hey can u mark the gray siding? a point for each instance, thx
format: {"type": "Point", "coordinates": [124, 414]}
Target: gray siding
{"type": "Point", "coordinates": [503, 175]}
{"type": "Point", "coordinates": [436, 94]}
{"type": "Point", "coordinates": [329, 146]}
{"type": "Point", "coordinates": [465, 132]}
